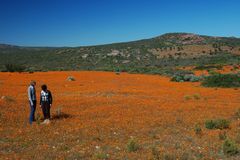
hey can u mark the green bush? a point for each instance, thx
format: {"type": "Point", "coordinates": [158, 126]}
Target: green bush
{"type": "Point", "coordinates": [217, 124]}
{"type": "Point", "coordinates": [132, 146]}
{"type": "Point", "coordinates": [222, 135]}
{"type": "Point", "coordinates": [156, 153]}
{"type": "Point", "coordinates": [230, 148]}
{"type": "Point", "coordinates": [207, 67]}
{"type": "Point", "coordinates": [222, 80]}
{"type": "Point", "coordinates": [186, 78]}
{"type": "Point", "coordinates": [101, 155]}
{"type": "Point", "coordinates": [14, 68]}
{"type": "Point", "coordinates": [198, 129]}
{"type": "Point", "coordinates": [196, 96]}
{"type": "Point", "coordinates": [237, 138]}
{"type": "Point", "coordinates": [237, 114]}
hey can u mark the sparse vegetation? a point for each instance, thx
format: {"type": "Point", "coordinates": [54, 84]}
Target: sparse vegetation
{"type": "Point", "coordinates": [230, 148]}
{"type": "Point", "coordinates": [198, 129]}
{"type": "Point", "coordinates": [101, 155]}
{"type": "Point", "coordinates": [207, 67]}
{"type": "Point", "coordinates": [196, 96]}
{"type": "Point", "coordinates": [8, 99]}
{"type": "Point", "coordinates": [14, 68]}
{"type": "Point", "coordinates": [187, 97]}
{"type": "Point", "coordinates": [145, 54]}
{"type": "Point", "coordinates": [186, 78]}
{"type": "Point", "coordinates": [217, 124]}
{"type": "Point", "coordinates": [132, 145]}
{"type": "Point", "coordinates": [237, 114]}
{"type": "Point", "coordinates": [169, 156]}
{"type": "Point", "coordinates": [59, 112]}
{"type": "Point", "coordinates": [222, 135]}
{"type": "Point", "coordinates": [155, 153]}
{"type": "Point", "coordinates": [237, 138]}
{"type": "Point", "coordinates": [38, 119]}
{"type": "Point", "coordinates": [222, 80]}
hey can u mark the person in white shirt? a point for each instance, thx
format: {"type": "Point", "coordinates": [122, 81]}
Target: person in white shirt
{"type": "Point", "coordinates": [32, 100]}
{"type": "Point", "coordinates": [45, 103]}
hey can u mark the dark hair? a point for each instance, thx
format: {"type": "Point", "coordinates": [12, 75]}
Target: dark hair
{"type": "Point", "coordinates": [44, 87]}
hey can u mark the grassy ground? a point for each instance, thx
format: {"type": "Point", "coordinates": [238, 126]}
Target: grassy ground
{"type": "Point", "coordinates": [103, 115]}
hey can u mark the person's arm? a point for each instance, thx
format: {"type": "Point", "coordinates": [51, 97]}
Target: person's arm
{"type": "Point", "coordinates": [40, 99]}
{"type": "Point", "coordinates": [50, 98]}
{"type": "Point", "coordinates": [30, 96]}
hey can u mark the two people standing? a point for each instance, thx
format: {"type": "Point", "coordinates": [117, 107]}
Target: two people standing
{"type": "Point", "coordinates": [45, 102]}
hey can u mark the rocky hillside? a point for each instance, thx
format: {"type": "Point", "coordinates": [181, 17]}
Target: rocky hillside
{"type": "Point", "coordinates": [172, 49]}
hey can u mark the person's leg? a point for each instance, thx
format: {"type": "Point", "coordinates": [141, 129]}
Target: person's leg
{"type": "Point", "coordinates": [44, 111]}
{"type": "Point", "coordinates": [31, 113]}
{"type": "Point", "coordinates": [49, 114]}
{"type": "Point", "coordinates": [34, 109]}
{"type": "Point", "coordinates": [48, 111]}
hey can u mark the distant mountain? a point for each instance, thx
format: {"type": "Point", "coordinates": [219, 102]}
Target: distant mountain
{"type": "Point", "coordinates": [171, 49]}
{"type": "Point", "coordinates": [7, 46]}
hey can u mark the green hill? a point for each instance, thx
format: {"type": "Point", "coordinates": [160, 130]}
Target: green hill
{"type": "Point", "coordinates": [168, 50]}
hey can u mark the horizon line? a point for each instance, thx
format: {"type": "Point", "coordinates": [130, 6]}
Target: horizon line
{"type": "Point", "coordinates": [110, 43]}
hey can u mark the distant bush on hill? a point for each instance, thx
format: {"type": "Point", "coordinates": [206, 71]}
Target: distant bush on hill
{"type": "Point", "coordinates": [185, 76]}
{"type": "Point", "coordinates": [14, 68]}
{"type": "Point", "coordinates": [217, 124]}
{"type": "Point", "coordinates": [207, 67]}
{"type": "Point", "coordinates": [222, 80]}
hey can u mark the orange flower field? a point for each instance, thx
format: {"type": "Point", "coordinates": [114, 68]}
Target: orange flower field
{"type": "Point", "coordinates": [100, 113]}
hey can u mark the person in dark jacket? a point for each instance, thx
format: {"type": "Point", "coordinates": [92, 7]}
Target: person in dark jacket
{"type": "Point", "coordinates": [32, 100]}
{"type": "Point", "coordinates": [45, 103]}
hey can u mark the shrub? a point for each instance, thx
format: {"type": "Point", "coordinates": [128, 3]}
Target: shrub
{"type": "Point", "coordinates": [38, 118]}
{"type": "Point", "coordinates": [198, 129]}
{"type": "Point", "coordinates": [14, 68]}
{"type": "Point", "coordinates": [186, 78]}
{"type": "Point", "coordinates": [196, 96]}
{"type": "Point", "coordinates": [168, 156]}
{"type": "Point", "coordinates": [222, 135]}
{"type": "Point", "coordinates": [117, 71]}
{"type": "Point", "coordinates": [222, 80]}
{"type": "Point", "coordinates": [185, 156]}
{"type": "Point", "coordinates": [132, 146]}
{"type": "Point", "coordinates": [230, 148]}
{"type": "Point", "coordinates": [217, 124]}
{"type": "Point", "coordinates": [208, 67]}
{"type": "Point", "coordinates": [212, 72]}
{"type": "Point", "coordinates": [237, 114]}
{"type": "Point", "coordinates": [102, 155]}
{"type": "Point", "coordinates": [187, 97]}
{"type": "Point", "coordinates": [237, 139]}
{"type": "Point", "coordinates": [58, 112]}
{"type": "Point", "coordinates": [155, 153]}
{"type": "Point", "coordinates": [8, 99]}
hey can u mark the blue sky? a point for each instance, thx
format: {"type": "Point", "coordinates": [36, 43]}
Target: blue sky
{"type": "Point", "coordinates": [91, 22]}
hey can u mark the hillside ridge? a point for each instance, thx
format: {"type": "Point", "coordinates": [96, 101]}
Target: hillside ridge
{"type": "Point", "coordinates": [167, 50]}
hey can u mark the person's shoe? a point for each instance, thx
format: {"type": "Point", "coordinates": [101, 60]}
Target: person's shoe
{"type": "Point", "coordinates": [44, 122]}
{"type": "Point", "coordinates": [47, 121]}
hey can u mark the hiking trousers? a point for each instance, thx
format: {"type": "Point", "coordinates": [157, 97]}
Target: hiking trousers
{"type": "Point", "coordinates": [46, 110]}
{"type": "Point", "coordinates": [32, 111]}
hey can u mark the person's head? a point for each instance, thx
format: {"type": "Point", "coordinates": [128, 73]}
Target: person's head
{"type": "Point", "coordinates": [33, 83]}
{"type": "Point", "coordinates": [44, 87]}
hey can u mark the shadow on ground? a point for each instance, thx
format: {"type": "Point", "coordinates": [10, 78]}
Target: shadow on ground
{"type": "Point", "coordinates": [61, 116]}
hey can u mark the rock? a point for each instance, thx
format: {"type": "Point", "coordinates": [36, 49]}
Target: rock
{"type": "Point", "coordinates": [70, 78]}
